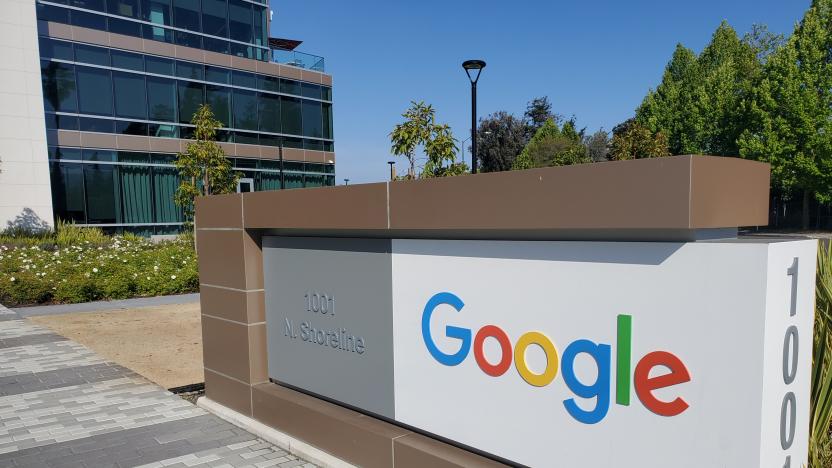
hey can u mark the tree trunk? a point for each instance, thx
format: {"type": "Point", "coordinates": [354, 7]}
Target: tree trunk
{"type": "Point", "coordinates": [804, 218]}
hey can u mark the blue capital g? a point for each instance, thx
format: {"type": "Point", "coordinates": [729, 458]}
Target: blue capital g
{"type": "Point", "coordinates": [463, 334]}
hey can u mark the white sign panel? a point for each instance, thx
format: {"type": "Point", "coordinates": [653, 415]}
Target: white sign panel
{"type": "Point", "coordinates": [599, 354]}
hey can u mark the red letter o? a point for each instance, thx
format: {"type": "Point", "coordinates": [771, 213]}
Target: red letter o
{"type": "Point", "coordinates": [505, 361]}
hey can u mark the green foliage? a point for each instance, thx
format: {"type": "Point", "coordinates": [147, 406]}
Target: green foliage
{"type": "Point", "coordinates": [700, 103]}
{"type": "Point", "coordinates": [64, 235]}
{"type": "Point", "coordinates": [116, 269]}
{"type": "Point", "coordinates": [203, 167]}
{"type": "Point", "coordinates": [553, 146]}
{"type": "Point", "coordinates": [632, 140]}
{"type": "Point", "coordinates": [420, 129]}
{"type": "Point", "coordinates": [820, 444]}
{"type": "Point", "coordinates": [500, 138]}
{"type": "Point", "coordinates": [538, 111]}
{"type": "Point", "coordinates": [791, 110]}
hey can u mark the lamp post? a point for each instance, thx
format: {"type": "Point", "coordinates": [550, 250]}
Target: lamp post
{"type": "Point", "coordinates": [477, 66]}
{"type": "Point", "coordinates": [392, 170]}
{"type": "Point", "coordinates": [346, 181]}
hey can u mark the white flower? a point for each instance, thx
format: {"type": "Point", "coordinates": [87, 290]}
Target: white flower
{"type": "Point", "coordinates": [172, 276]}
{"type": "Point", "coordinates": [13, 279]}
{"type": "Point", "coordinates": [95, 270]}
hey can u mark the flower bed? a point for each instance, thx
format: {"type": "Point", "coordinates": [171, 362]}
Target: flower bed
{"type": "Point", "coordinates": [118, 268]}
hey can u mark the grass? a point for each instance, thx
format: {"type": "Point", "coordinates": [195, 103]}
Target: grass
{"type": "Point", "coordinates": [77, 264]}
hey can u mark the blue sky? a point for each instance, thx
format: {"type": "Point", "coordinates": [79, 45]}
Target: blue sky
{"type": "Point", "coordinates": [595, 60]}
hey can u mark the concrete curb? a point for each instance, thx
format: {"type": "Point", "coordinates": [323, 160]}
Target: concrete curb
{"type": "Point", "coordinates": [286, 442]}
{"type": "Point", "coordinates": [107, 305]}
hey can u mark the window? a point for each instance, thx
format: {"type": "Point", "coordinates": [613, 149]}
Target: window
{"type": "Point", "coordinates": [136, 195]}
{"type": "Point", "coordinates": [157, 11]}
{"type": "Point", "coordinates": [186, 14]}
{"type": "Point", "coordinates": [259, 23]}
{"type": "Point", "coordinates": [219, 98]}
{"type": "Point", "coordinates": [314, 145]}
{"type": "Point", "coordinates": [89, 20]}
{"type": "Point", "coordinates": [269, 113]}
{"type": "Point", "coordinates": [59, 93]}
{"type": "Point", "coordinates": [128, 8]}
{"type": "Point", "coordinates": [95, 91]}
{"type": "Point", "coordinates": [127, 60]}
{"type": "Point", "coordinates": [189, 70]}
{"type": "Point", "coordinates": [61, 122]}
{"type": "Point", "coordinates": [52, 13]}
{"type": "Point", "coordinates": [188, 39]}
{"type": "Point", "coordinates": [161, 99]}
{"type": "Point", "coordinates": [247, 138]}
{"type": "Point", "coordinates": [312, 119]}
{"type": "Point", "coordinates": [290, 87]}
{"type": "Point", "coordinates": [215, 45]}
{"type": "Point", "coordinates": [55, 49]}
{"type": "Point", "coordinates": [217, 74]}
{"type": "Point", "coordinates": [129, 91]}
{"type": "Point", "coordinates": [131, 128]}
{"type": "Point", "coordinates": [158, 65]}
{"type": "Point", "coordinates": [245, 110]}
{"type": "Point", "coordinates": [163, 131]}
{"type": "Point", "coordinates": [101, 194]}
{"type": "Point", "coordinates": [99, 155]}
{"type": "Point", "coordinates": [244, 79]}
{"type": "Point", "coordinates": [190, 98]}
{"type": "Point", "coordinates": [88, 124]}
{"type": "Point", "coordinates": [327, 120]}
{"type": "Point", "coordinates": [239, 20]}
{"type": "Point", "coordinates": [92, 55]}
{"type": "Point", "coordinates": [215, 17]}
{"type": "Point", "coordinates": [268, 83]}
{"type": "Point", "coordinates": [291, 142]}
{"type": "Point", "coordinates": [68, 191]}
{"type": "Point", "coordinates": [120, 26]}
{"type": "Point", "coordinates": [97, 5]}
{"type": "Point", "coordinates": [326, 93]}
{"type": "Point", "coordinates": [311, 90]}
{"type": "Point", "coordinates": [165, 183]}
{"type": "Point", "coordinates": [290, 116]}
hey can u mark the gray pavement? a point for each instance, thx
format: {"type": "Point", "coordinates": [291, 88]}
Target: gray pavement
{"type": "Point", "coordinates": [106, 305]}
{"type": "Point", "coordinates": [61, 405]}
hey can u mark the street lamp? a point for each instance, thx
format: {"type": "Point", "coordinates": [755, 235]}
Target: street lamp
{"type": "Point", "coordinates": [346, 181]}
{"type": "Point", "coordinates": [392, 170]}
{"type": "Point", "coordinates": [469, 66]}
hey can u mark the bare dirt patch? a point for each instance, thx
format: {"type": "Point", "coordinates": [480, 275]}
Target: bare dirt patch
{"type": "Point", "coordinates": [162, 343]}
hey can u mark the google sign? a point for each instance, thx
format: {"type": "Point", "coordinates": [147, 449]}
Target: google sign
{"type": "Point", "coordinates": [599, 352]}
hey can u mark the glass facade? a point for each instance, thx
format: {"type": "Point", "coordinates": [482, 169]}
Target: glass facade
{"type": "Point", "coordinates": [236, 27]}
{"type": "Point", "coordinates": [136, 189]}
{"type": "Point", "coordinates": [106, 90]}
{"type": "Point", "coordinates": [112, 91]}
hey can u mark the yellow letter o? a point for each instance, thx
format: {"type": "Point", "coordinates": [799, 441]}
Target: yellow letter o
{"type": "Point", "coordinates": [526, 340]}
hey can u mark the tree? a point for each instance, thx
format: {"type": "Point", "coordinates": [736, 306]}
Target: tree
{"type": "Point", "coordinates": [598, 145]}
{"type": "Point", "coordinates": [553, 146]}
{"type": "Point", "coordinates": [700, 104]}
{"type": "Point", "coordinates": [420, 129]}
{"type": "Point", "coordinates": [500, 138]}
{"type": "Point", "coordinates": [792, 111]}
{"type": "Point", "coordinates": [632, 140]}
{"type": "Point", "coordinates": [203, 167]}
{"type": "Point", "coordinates": [538, 111]}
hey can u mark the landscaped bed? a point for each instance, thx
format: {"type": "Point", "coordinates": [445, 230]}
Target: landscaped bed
{"type": "Point", "coordinates": [90, 266]}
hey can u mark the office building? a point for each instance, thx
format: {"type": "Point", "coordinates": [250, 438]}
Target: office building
{"type": "Point", "coordinates": [100, 96]}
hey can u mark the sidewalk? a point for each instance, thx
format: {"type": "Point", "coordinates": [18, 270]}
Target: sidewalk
{"type": "Point", "coordinates": [61, 405]}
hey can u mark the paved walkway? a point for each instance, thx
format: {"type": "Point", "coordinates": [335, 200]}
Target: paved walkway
{"type": "Point", "coordinates": [61, 405]}
{"type": "Point", "coordinates": [106, 305]}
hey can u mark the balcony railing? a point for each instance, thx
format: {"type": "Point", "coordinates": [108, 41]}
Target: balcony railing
{"type": "Point", "coordinates": [298, 59]}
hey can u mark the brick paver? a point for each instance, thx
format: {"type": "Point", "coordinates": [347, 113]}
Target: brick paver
{"type": "Point", "coordinates": [61, 405]}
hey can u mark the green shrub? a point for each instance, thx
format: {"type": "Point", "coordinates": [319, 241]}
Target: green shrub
{"type": "Point", "coordinates": [96, 267]}
{"type": "Point", "coordinates": [820, 445]}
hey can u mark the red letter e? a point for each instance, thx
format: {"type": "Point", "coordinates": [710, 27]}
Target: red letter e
{"type": "Point", "coordinates": [645, 384]}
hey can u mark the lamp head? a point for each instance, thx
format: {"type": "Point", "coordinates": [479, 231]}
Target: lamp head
{"type": "Point", "coordinates": [473, 65]}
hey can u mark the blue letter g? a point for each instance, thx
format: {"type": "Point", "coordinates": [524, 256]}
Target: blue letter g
{"type": "Point", "coordinates": [463, 334]}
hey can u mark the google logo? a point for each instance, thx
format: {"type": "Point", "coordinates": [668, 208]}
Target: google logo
{"type": "Point", "coordinates": [601, 354]}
